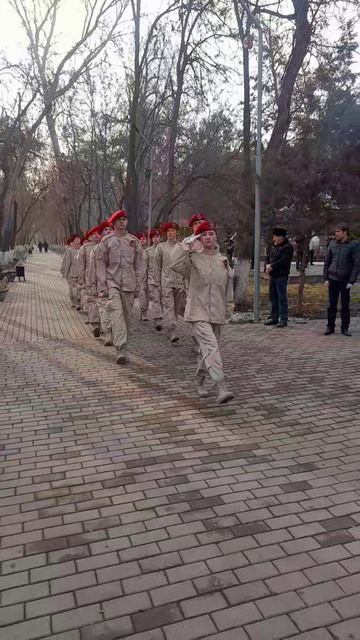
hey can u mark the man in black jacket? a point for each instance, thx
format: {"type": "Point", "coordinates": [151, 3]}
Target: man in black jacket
{"type": "Point", "coordinates": [279, 269]}
{"type": "Point", "coordinates": [341, 269]}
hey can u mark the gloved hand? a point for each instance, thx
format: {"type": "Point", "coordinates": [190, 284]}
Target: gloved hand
{"type": "Point", "coordinates": [349, 285]}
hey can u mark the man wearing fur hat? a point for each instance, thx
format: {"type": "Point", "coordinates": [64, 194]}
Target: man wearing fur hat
{"type": "Point", "coordinates": [120, 272]}
{"type": "Point", "coordinates": [209, 276]}
{"type": "Point", "coordinates": [153, 291]}
{"type": "Point", "coordinates": [279, 269]}
{"type": "Point", "coordinates": [171, 284]}
{"type": "Point", "coordinates": [92, 237]}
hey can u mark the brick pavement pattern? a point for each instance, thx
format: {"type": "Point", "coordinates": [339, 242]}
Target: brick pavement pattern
{"type": "Point", "coordinates": [131, 509]}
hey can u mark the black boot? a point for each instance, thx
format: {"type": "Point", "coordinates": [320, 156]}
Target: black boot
{"type": "Point", "coordinates": [346, 332]}
{"type": "Point", "coordinates": [281, 324]}
{"type": "Point", "coordinates": [329, 331]}
{"type": "Point", "coordinates": [269, 322]}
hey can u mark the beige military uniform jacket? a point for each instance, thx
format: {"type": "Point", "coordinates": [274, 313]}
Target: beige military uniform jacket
{"type": "Point", "coordinates": [70, 265]}
{"type": "Point", "coordinates": [119, 264]}
{"type": "Point", "coordinates": [164, 275]}
{"type": "Point", "coordinates": [149, 259]}
{"type": "Point", "coordinates": [210, 283]}
{"type": "Point", "coordinates": [84, 263]}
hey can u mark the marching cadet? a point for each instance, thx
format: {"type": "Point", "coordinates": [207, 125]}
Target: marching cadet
{"type": "Point", "coordinates": [143, 294]}
{"type": "Point", "coordinates": [105, 324]}
{"type": "Point", "coordinates": [153, 291]}
{"type": "Point", "coordinates": [70, 269]}
{"type": "Point", "coordinates": [92, 237]}
{"type": "Point", "coordinates": [171, 284]}
{"type": "Point", "coordinates": [120, 272]}
{"type": "Point", "coordinates": [209, 277]}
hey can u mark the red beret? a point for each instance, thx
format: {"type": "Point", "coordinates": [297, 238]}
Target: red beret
{"type": "Point", "coordinates": [197, 217]}
{"type": "Point", "coordinates": [170, 225]}
{"type": "Point", "coordinates": [72, 238]}
{"type": "Point", "coordinates": [89, 233]}
{"type": "Point", "coordinates": [155, 232]}
{"type": "Point", "coordinates": [206, 226]}
{"type": "Point", "coordinates": [116, 216]}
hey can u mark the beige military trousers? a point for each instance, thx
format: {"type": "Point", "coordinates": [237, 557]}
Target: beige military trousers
{"type": "Point", "coordinates": [172, 302]}
{"type": "Point", "coordinates": [144, 301]}
{"type": "Point", "coordinates": [155, 302]}
{"type": "Point", "coordinates": [207, 336]}
{"type": "Point", "coordinates": [92, 309]}
{"type": "Point", "coordinates": [74, 292]}
{"type": "Point", "coordinates": [83, 301]}
{"type": "Point", "coordinates": [120, 305]}
{"type": "Point", "coordinates": [104, 314]}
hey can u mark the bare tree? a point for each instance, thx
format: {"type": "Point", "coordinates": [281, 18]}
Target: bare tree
{"type": "Point", "coordinates": [53, 81]}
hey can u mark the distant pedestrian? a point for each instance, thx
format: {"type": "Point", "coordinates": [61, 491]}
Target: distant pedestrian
{"type": "Point", "coordinates": [341, 269]}
{"type": "Point", "coordinates": [230, 246]}
{"type": "Point", "coordinates": [46, 246]}
{"type": "Point", "coordinates": [40, 246]}
{"type": "Point", "coordinates": [314, 246]}
{"type": "Point", "coordinates": [279, 269]}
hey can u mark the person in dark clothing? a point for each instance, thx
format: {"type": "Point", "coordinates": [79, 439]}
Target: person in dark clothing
{"type": "Point", "coordinates": [46, 246]}
{"type": "Point", "coordinates": [230, 246]}
{"type": "Point", "coordinates": [279, 269]}
{"type": "Point", "coordinates": [300, 248]}
{"type": "Point", "coordinates": [341, 269]}
{"type": "Point", "coordinates": [40, 246]}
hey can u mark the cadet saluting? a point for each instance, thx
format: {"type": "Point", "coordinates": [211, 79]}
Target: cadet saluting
{"type": "Point", "coordinates": [209, 276]}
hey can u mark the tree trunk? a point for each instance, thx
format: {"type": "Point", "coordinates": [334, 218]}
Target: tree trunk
{"type": "Point", "coordinates": [241, 280]}
{"type": "Point", "coordinates": [245, 241]}
{"type": "Point", "coordinates": [301, 287]}
{"type": "Point", "coordinates": [131, 185]}
{"type": "Point", "coordinates": [301, 41]}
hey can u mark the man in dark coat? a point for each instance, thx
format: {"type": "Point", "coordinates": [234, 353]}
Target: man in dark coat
{"type": "Point", "coordinates": [341, 269]}
{"type": "Point", "coordinates": [279, 270]}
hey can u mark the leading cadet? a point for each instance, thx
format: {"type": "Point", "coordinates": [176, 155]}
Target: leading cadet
{"type": "Point", "coordinates": [210, 282]}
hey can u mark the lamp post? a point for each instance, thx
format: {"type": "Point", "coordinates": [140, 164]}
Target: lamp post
{"type": "Point", "coordinates": [150, 173]}
{"type": "Point", "coordinates": [258, 163]}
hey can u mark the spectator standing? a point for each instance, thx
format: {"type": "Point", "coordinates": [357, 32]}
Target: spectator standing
{"type": "Point", "coordinates": [46, 246]}
{"type": "Point", "coordinates": [300, 248]}
{"type": "Point", "coordinates": [230, 246]}
{"type": "Point", "coordinates": [314, 246]}
{"type": "Point", "coordinates": [279, 269]}
{"type": "Point", "coordinates": [40, 246]}
{"type": "Point", "coordinates": [341, 269]}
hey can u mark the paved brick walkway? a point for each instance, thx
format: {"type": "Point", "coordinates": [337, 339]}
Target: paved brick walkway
{"type": "Point", "coordinates": [130, 509]}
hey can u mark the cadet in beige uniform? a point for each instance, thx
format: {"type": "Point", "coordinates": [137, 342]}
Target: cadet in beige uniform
{"type": "Point", "coordinates": [171, 284]}
{"type": "Point", "coordinates": [153, 291]}
{"type": "Point", "coordinates": [93, 237]}
{"type": "Point", "coordinates": [120, 272]}
{"type": "Point", "coordinates": [101, 302]}
{"type": "Point", "coordinates": [143, 293]}
{"type": "Point", "coordinates": [70, 269]}
{"type": "Point", "coordinates": [209, 276]}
